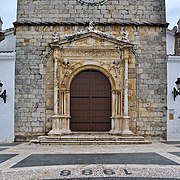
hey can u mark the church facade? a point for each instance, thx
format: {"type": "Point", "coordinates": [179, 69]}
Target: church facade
{"type": "Point", "coordinates": [90, 66]}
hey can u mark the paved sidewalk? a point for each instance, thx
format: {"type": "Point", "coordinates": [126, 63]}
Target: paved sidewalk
{"type": "Point", "coordinates": [156, 161]}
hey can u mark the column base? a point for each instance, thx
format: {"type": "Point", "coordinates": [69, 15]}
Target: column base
{"type": "Point", "coordinates": [58, 132]}
{"type": "Point", "coordinates": [120, 126]}
{"type": "Point", "coordinates": [115, 132]}
{"type": "Point", "coordinates": [60, 125]}
{"type": "Point", "coordinates": [116, 127]}
{"type": "Point", "coordinates": [127, 132]}
{"type": "Point", "coordinates": [125, 128]}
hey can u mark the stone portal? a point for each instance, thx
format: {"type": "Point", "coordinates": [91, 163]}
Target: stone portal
{"type": "Point", "coordinates": [105, 57]}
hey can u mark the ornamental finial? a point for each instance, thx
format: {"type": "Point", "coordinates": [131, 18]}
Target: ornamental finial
{"type": "Point", "coordinates": [91, 26]}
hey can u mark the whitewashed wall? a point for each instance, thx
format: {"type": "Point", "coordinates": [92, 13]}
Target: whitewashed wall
{"type": "Point", "coordinates": [170, 41]}
{"type": "Point", "coordinates": [7, 71]}
{"type": "Point", "coordinates": [173, 72]}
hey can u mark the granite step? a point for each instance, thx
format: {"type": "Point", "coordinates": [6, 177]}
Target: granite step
{"type": "Point", "coordinates": [46, 142]}
{"type": "Point", "coordinates": [90, 138]}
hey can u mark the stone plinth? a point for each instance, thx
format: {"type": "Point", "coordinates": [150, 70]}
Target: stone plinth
{"type": "Point", "coordinates": [60, 125]}
{"type": "Point", "coordinates": [120, 126]}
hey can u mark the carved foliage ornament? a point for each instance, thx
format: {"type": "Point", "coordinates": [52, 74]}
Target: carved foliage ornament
{"type": "Point", "coordinates": [68, 69]}
{"type": "Point", "coordinates": [92, 2]}
{"type": "Point", "coordinates": [57, 37]}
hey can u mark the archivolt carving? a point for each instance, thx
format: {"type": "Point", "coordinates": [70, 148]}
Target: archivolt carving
{"type": "Point", "coordinates": [116, 70]}
{"type": "Point", "coordinates": [69, 71]}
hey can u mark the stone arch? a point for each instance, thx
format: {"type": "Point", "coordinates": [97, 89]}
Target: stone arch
{"type": "Point", "coordinates": [91, 67]}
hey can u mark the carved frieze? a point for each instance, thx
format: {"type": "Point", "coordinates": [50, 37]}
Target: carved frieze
{"type": "Point", "coordinates": [89, 53]}
{"type": "Point", "coordinates": [89, 42]}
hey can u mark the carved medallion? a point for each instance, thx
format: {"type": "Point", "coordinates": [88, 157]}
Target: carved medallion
{"type": "Point", "coordinates": [92, 2]}
{"type": "Point", "coordinates": [91, 41]}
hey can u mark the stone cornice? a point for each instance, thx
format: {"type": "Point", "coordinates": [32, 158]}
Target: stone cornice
{"type": "Point", "coordinates": [31, 23]}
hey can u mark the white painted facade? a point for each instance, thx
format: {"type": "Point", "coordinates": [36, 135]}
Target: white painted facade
{"type": "Point", "coordinates": [173, 72]}
{"type": "Point", "coordinates": [173, 124]}
{"type": "Point", "coordinates": [170, 41]}
{"type": "Point", "coordinates": [7, 68]}
{"type": "Point", "coordinates": [7, 77]}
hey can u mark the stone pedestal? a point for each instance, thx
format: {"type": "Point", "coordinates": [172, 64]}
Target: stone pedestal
{"type": "Point", "coordinates": [60, 125]}
{"type": "Point", "coordinates": [125, 126]}
{"type": "Point", "coordinates": [120, 126]}
{"type": "Point", "coordinates": [116, 127]}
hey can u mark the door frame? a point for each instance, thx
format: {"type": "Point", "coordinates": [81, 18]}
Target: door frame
{"type": "Point", "coordinates": [112, 84]}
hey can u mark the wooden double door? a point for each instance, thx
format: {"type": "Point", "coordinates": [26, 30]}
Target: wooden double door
{"type": "Point", "coordinates": [90, 102]}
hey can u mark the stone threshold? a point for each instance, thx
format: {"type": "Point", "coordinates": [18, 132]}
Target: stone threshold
{"type": "Point", "coordinates": [90, 138]}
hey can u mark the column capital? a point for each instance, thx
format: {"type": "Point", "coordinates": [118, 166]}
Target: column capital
{"type": "Point", "coordinates": [55, 54]}
{"type": "Point", "coordinates": [126, 54]}
{"type": "Point", "coordinates": [126, 60]}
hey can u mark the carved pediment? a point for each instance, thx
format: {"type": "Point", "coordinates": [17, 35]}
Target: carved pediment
{"type": "Point", "coordinates": [92, 39]}
{"type": "Point", "coordinates": [92, 42]}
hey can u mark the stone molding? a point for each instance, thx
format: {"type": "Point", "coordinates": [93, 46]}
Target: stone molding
{"type": "Point", "coordinates": [34, 23]}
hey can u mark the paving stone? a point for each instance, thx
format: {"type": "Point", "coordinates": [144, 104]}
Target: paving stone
{"type": "Point", "coordinates": [5, 157]}
{"type": "Point", "coordinates": [9, 144]}
{"type": "Point", "coordinates": [115, 158]}
{"type": "Point", "coordinates": [2, 149]}
{"type": "Point", "coordinates": [171, 142]}
{"type": "Point", "coordinates": [164, 167]}
{"type": "Point", "coordinates": [119, 178]}
{"type": "Point", "coordinates": [176, 153]}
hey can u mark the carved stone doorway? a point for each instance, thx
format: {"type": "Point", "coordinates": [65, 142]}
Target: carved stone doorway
{"type": "Point", "coordinates": [90, 102]}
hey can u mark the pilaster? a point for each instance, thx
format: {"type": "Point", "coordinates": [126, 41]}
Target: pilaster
{"type": "Point", "coordinates": [125, 119]}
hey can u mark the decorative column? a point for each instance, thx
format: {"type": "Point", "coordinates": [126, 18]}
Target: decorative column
{"type": "Point", "coordinates": [126, 88]}
{"type": "Point", "coordinates": [125, 123]}
{"type": "Point", "coordinates": [116, 120]}
{"type": "Point", "coordinates": [56, 88]}
{"type": "Point", "coordinates": [60, 121]}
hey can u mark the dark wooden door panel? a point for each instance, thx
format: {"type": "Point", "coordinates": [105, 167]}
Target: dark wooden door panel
{"type": "Point", "coordinates": [83, 127]}
{"type": "Point", "coordinates": [90, 102]}
{"type": "Point", "coordinates": [100, 127]}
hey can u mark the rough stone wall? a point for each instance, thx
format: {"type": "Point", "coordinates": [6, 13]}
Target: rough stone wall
{"type": "Point", "coordinates": [73, 11]}
{"type": "Point", "coordinates": [152, 82]}
{"type": "Point", "coordinates": [145, 22]}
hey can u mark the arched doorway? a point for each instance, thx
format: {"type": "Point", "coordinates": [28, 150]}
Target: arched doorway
{"type": "Point", "coordinates": [90, 102]}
